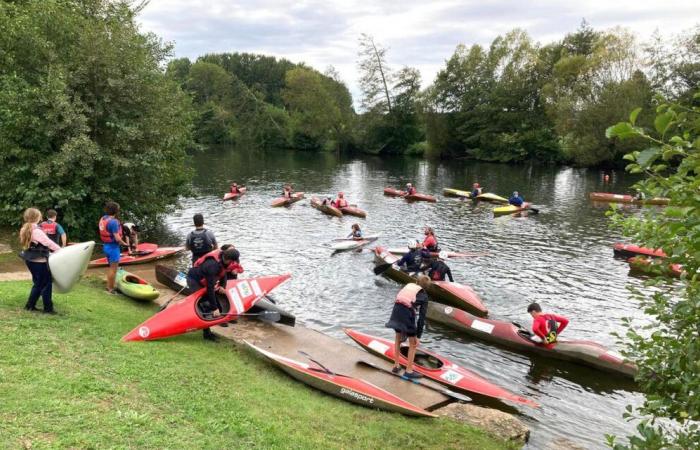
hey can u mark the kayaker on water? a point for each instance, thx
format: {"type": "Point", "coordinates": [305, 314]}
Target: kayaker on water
{"type": "Point", "coordinates": [200, 241]}
{"type": "Point", "coordinates": [53, 229]}
{"type": "Point", "coordinates": [340, 202]}
{"type": "Point", "coordinates": [356, 233]}
{"type": "Point", "coordinates": [407, 320]}
{"type": "Point", "coordinates": [36, 247]}
{"type": "Point", "coordinates": [413, 260]}
{"type": "Point", "coordinates": [211, 271]}
{"type": "Point", "coordinates": [410, 190]}
{"type": "Point", "coordinates": [235, 189]}
{"type": "Point", "coordinates": [476, 190]}
{"type": "Point", "coordinates": [430, 242]}
{"type": "Point", "coordinates": [287, 191]}
{"type": "Point", "coordinates": [130, 234]}
{"type": "Point", "coordinates": [438, 270]}
{"type": "Point", "coordinates": [111, 235]}
{"type": "Point", "coordinates": [546, 326]}
{"type": "Point", "coordinates": [327, 202]}
{"type": "Point", "coordinates": [516, 199]}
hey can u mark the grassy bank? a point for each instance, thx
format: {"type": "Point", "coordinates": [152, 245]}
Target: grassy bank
{"type": "Point", "coordinates": [67, 381]}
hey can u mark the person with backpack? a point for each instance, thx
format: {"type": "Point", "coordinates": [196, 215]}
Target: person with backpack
{"type": "Point", "coordinates": [546, 326]}
{"type": "Point", "coordinates": [200, 241]}
{"type": "Point", "coordinates": [53, 229]}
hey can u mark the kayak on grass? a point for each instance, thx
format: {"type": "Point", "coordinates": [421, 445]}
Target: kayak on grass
{"type": "Point", "coordinates": [177, 281]}
{"type": "Point", "coordinates": [645, 266]}
{"type": "Point", "coordinates": [509, 335]}
{"type": "Point", "coordinates": [134, 286]}
{"type": "Point", "coordinates": [232, 196]}
{"type": "Point", "coordinates": [325, 209]}
{"type": "Point", "coordinates": [345, 387]}
{"type": "Point", "coordinates": [449, 192]}
{"type": "Point", "coordinates": [446, 292]}
{"type": "Point", "coordinates": [187, 315]}
{"type": "Point", "coordinates": [404, 250]}
{"type": "Point", "coordinates": [413, 197]}
{"type": "Point", "coordinates": [619, 198]}
{"type": "Point", "coordinates": [352, 244]}
{"type": "Point", "coordinates": [68, 264]}
{"type": "Point", "coordinates": [438, 368]}
{"type": "Point", "coordinates": [284, 201]}
{"type": "Point", "coordinates": [490, 197]}
{"type": "Point", "coordinates": [353, 211]}
{"type": "Point", "coordinates": [512, 209]}
{"type": "Point", "coordinates": [629, 250]}
{"type": "Point", "coordinates": [145, 253]}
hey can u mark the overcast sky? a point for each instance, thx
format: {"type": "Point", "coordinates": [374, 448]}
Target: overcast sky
{"type": "Point", "coordinates": [421, 34]}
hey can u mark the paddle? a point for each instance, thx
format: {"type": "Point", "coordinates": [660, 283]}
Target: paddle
{"type": "Point", "coordinates": [444, 391]}
{"type": "Point", "coordinates": [266, 316]}
{"type": "Point", "coordinates": [165, 305]}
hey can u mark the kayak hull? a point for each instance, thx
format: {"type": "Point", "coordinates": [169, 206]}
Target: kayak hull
{"type": "Point", "coordinates": [510, 209]}
{"type": "Point", "coordinates": [284, 201]}
{"type": "Point", "coordinates": [68, 264]}
{"type": "Point", "coordinates": [629, 251]}
{"type": "Point", "coordinates": [439, 369]}
{"type": "Point", "coordinates": [135, 287]}
{"type": "Point", "coordinates": [325, 209]}
{"type": "Point", "coordinates": [354, 390]}
{"type": "Point", "coordinates": [490, 197]}
{"type": "Point", "coordinates": [353, 211]}
{"type": "Point", "coordinates": [506, 334]}
{"type": "Point", "coordinates": [411, 198]}
{"type": "Point", "coordinates": [644, 265]}
{"type": "Point", "coordinates": [232, 196]}
{"type": "Point", "coordinates": [155, 255]}
{"type": "Point", "coordinates": [177, 281]}
{"type": "Point", "coordinates": [620, 198]}
{"type": "Point", "coordinates": [449, 192]}
{"type": "Point", "coordinates": [352, 244]}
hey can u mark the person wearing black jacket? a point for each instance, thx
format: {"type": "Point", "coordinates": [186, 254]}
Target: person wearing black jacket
{"type": "Point", "coordinates": [438, 270]}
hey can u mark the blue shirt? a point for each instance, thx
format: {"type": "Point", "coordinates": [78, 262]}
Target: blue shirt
{"type": "Point", "coordinates": [516, 201]}
{"type": "Point", "coordinates": [113, 228]}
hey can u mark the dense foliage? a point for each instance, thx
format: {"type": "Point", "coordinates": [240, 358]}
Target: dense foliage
{"type": "Point", "coordinates": [668, 349]}
{"type": "Point", "coordinates": [86, 113]}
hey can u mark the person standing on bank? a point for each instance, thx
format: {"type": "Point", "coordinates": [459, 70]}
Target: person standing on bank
{"type": "Point", "coordinates": [111, 236]}
{"type": "Point", "coordinates": [53, 229]}
{"type": "Point", "coordinates": [200, 241]}
{"type": "Point", "coordinates": [36, 247]}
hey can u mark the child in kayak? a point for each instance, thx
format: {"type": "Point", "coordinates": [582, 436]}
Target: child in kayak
{"type": "Point", "coordinates": [53, 229]}
{"type": "Point", "coordinates": [476, 190]}
{"type": "Point", "coordinates": [36, 247]}
{"type": "Point", "coordinates": [410, 190]}
{"type": "Point", "coordinates": [516, 199]}
{"type": "Point", "coordinates": [438, 270]}
{"type": "Point", "coordinates": [356, 233]}
{"type": "Point", "coordinates": [235, 189]}
{"type": "Point", "coordinates": [430, 242]}
{"type": "Point", "coordinates": [546, 326]}
{"type": "Point", "coordinates": [340, 202]}
{"type": "Point", "coordinates": [287, 191]}
{"type": "Point", "coordinates": [407, 320]}
{"type": "Point", "coordinates": [111, 235]}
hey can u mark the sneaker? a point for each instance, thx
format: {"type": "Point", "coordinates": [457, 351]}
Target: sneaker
{"type": "Point", "coordinates": [396, 370]}
{"type": "Point", "coordinates": [112, 292]}
{"type": "Point", "coordinates": [412, 375]}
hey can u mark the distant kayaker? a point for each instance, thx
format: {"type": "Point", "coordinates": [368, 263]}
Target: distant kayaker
{"type": "Point", "coordinates": [407, 320]}
{"type": "Point", "coordinates": [287, 191]}
{"type": "Point", "coordinates": [516, 199]}
{"type": "Point", "coordinates": [546, 326]}
{"type": "Point", "coordinates": [410, 190]}
{"type": "Point", "coordinates": [476, 190]}
{"type": "Point", "coordinates": [53, 229]}
{"type": "Point", "coordinates": [327, 202]}
{"type": "Point", "coordinates": [200, 241]}
{"type": "Point", "coordinates": [430, 242]}
{"type": "Point", "coordinates": [130, 234]}
{"type": "Point", "coordinates": [211, 271]}
{"type": "Point", "coordinates": [235, 189]}
{"type": "Point", "coordinates": [413, 260]}
{"type": "Point", "coordinates": [340, 202]}
{"type": "Point", "coordinates": [356, 232]}
{"type": "Point", "coordinates": [111, 235]}
{"type": "Point", "coordinates": [438, 270]}
{"type": "Point", "coordinates": [36, 247]}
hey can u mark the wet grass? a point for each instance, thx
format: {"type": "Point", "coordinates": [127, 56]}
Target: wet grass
{"type": "Point", "coordinates": [67, 381]}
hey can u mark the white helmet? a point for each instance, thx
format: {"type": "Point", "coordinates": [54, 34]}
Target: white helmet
{"type": "Point", "coordinates": [411, 244]}
{"type": "Point", "coordinates": [443, 255]}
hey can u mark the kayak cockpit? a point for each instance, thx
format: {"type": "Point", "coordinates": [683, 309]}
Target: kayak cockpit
{"type": "Point", "coordinates": [423, 359]}
{"type": "Point", "coordinates": [224, 305]}
{"type": "Point", "coordinates": [134, 279]}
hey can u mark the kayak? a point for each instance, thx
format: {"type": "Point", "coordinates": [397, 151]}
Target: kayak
{"type": "Point", "coordinates": [510, 209]}
{"type": "Point", "coordinates": [68, 264]}
{"type": "Point", "coordinates": [353, 211]}
{"type": "Point", "coordinates": [489, 197]}
{"type": "Point", "coordinates": [354, 390]}
{"type": "Point", "coordinates": [629, 250]}
{"type": "Point", "coordinates": [509, 335]}
{"type": "Point", "coordinates": [177, 281]}
{"type": "Point", "coordinates": [135, 287]}
{"type": "Point", "coordinates": [141, 257]}
{"type": "Point", "coordinates": [404, 250]}
{"type": "Point", "coordinates": [619, 198]}
{"type": "Point", "coordinates": [438, 368]}
{"type": "Point", "coordinates": [411, 198]}
{"type": "Point", "coordinates": [352, 244]}
{"type": "Point", "coordinates": [449, 192]}
{"type": "Point", "coordinates": [187, 315]}
{"type": "Point", "coordinates": [284, 201]}
{"type": "Point", "coordinates": [232, 196]}
{"type": "Point", "coordinates": [325, 209]}
{"type": "Point", "coordinates": [643, 265]}
{"type": "Point", "coordinates": [447, 292]}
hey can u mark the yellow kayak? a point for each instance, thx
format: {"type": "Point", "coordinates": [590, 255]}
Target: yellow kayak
{"type": "Point", "coordinates": [449, 192]}
{"type": "Point", "coordinates": [512, 209]}
{"type": "Point", "coordinates": [489, 197]}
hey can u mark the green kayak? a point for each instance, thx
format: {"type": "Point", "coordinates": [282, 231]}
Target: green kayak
{"type": "Point", "coordinates": [135, 287]}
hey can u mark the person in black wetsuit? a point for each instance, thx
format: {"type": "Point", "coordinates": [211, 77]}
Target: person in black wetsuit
{"type": "Point", "coordinates": [438, 270]}
{"type": "Point", "coordinates": [413, 260]}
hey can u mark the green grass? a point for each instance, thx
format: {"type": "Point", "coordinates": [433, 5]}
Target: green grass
{"type": "Point", "coordinates": [67, 381]}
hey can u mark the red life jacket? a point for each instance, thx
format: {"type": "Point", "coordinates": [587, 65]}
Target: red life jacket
{"type": "Point", "coordinates": [341, 203]}
{"type": "Point", "coordinates": [407, 295]}
{"type": "Point", "coordinates": [50, 228]}
{"type": "Point", "coordinates": [430, 243]}
{"type": "Point", "coordinates": [232, 267]}
{"type": "Point", "coordinates": [411, 190]}
{"type": "Point", "coordinates": [105, 235]}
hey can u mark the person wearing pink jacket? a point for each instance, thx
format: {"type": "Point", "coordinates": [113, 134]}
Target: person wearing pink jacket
{"type": "Point", "coordinates": [36, 247]}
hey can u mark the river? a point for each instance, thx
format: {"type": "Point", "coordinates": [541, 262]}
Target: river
{"type": "Point", "coordinates": [561, 258]}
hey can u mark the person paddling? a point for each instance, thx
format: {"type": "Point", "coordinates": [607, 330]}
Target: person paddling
{"type": "Point", "coordinates": [287, 191]}
{"type": "Point", "coordinates": [53, 229]}
{"type": "Point", "coordinates": [111, 236]}
{"type": "Point", "coordinates": [410, 190]}
{"type": "Point", "coordinates": [211, 271]}
{"type": "Point", "coordinates": [356, 232]}
{"type": "Point", "coordinates": [200, 241]}
{"type": "Point", "coordinates": [36, 247]}
{"type": "Point", "coordinates": [438, 270]}
{"type": "Point", "coordinates": [408, 320]}
{"type": "Point", "coordinates": [413, 260]}
{"type": "Point", "coordinates": [546, 326]}
{"type": "Point", "coordinates": [340, 202]}
{"type": "Point", "coordinates": [516, 199]}
{"type": "Point", "coordinates": [430, 242]}
{"type": "Point", "coordinates": [476, 190]}
{"type": "Point", "coordinates": [235, 189]}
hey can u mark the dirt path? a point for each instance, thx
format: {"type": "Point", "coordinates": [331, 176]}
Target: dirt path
{"type": "Point", "coordinates": [15, 276]}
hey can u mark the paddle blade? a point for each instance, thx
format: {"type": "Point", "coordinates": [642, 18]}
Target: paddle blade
{"type": "Point", "coordinates": [380, 269]}
{"type": "Point", "coordinates": [270, 316]}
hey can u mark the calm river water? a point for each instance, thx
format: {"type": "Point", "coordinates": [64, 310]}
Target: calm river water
{"type": "Point", "coordinates": [561, 258]}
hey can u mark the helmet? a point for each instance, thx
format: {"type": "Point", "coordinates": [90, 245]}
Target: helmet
{"type": "Point", "coordinates": [443, 255]}
{"type": "Point", "coordinates": [409, 184]}
{"type": "Point", "coordinates": [515, 193]}
{"type": "Point", "coordinates": [340, 194]}
{"type": "Point", "coordinates": [412, 244]}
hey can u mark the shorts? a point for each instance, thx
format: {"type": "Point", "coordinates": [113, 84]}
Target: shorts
{"type": "Point", "coordinates": [112, 252]}
{"type": "Point", "coordinates": [403, 320]}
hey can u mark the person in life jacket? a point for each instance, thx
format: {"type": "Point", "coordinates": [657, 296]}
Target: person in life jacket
{"type": "Point", "coordinates": [438, 270]}
{"type": "Point", "coordinates": [211, 271]}
{"type": "Point", "coordinates": [340, 202]}
{"type": "Point", "coordinates": [430, 242]}
{"type": "Point", "coordinates": [327, 202]}
{"type": "Point", "coordinates": [410, 190]}
{"type": "Point", "coordinates": [287, 191]}
{"type": "Point", "coordinates": [476, 190]}
{"type": "Point", "coordinates": [200, 241]}
{"type": "Point", "coordinates": [130, 234]}
{"type": "Point", "coordinates": [111, 235]}
{"type": "Point", "coordinates": [413, 260]}
{"type": "Point", "coordinates": [356, 232]}
{"type": "Point", "coordinates": [407, 320]}
{"type": "Point", "coordinates": [36, 247]}
{"type": "Point", "coordinates": [546, 326]}
{"type": "Point", "coordinates": [516, 199]}
{"type": "Point", "coordinates": [235, 189]}
{"type": "Point", "coordinates": [53, 229]}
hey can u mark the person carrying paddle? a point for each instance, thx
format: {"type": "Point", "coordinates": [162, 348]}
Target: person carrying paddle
{"type": "Point", "coordinates": [36, 247]}
{"type": "Point", "coordinates": [200, 241]}
{"type": "Point", "coordinates": [111, 235]}
{"type": "Point", "coordinates": [546, 326]}
{"type": "Point", "coordinates": [410, 190]}
{"type": "Point", "coordinates": [53, 229]}
{"type": "Point", "coordinates": [340, 202]}
{"type": "Point", "coordinates": [430, 242]}
{"type": "Point", "coordinates": [356, 232]}
{"type": "Point", "coordinates": [438, 270]}
{"type": "Point", "coordinates": [413, 260]}
{"type": "Point", "coordinates": [516, 199]}
{"type": "Point", "coordinates": [408, 320]}
{"type": "Point", "coordinates": [476, 190]}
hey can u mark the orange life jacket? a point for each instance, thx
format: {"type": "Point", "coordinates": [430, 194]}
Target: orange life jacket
{"type": "Point", "coordinates": [105, 235]}
{"type": "Point", "coordinates": [232, 267]}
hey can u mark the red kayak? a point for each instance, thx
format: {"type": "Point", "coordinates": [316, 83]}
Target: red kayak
{"type": "Point", "coordinates": [325, 209]}
{"type": "Point", "coordinates": [348, 388]}
{"type": "Point", "coordinates": [284, 201]}
{"type": "Point", "coordinates": [619, 198]}
{"type": "Point", "coordinates": [629, 250]}
{"type": "Point", "coordinates": [438, 368]}
{"type": "Point", "coordinates": [411, 198]}
{"type": "Point", "coordinates": [145, 253]}
{"type": "Point", "coordinates": [509, 335]}
{"type": "Point", "coordinates": [447, 292]}
{"type": "Point", "coordinates": [232, 196]}
{"type": "Point", "coordinates": [353, 211]}
{"type": "Point", "coordinates": [187, 315]}
{"type": "Point", "coordinates": [643, 265]}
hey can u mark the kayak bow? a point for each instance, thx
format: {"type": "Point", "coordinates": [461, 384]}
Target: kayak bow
{"type": "Point", "coordinates": [284, 201]}
{"type": "Point", "coordinates": [325, 209]}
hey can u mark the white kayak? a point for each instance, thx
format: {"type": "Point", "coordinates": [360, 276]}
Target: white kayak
{"type": "Point", "coordinates": [68, 264]}
{"type": "Point", "coordinates": [352, 244]}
